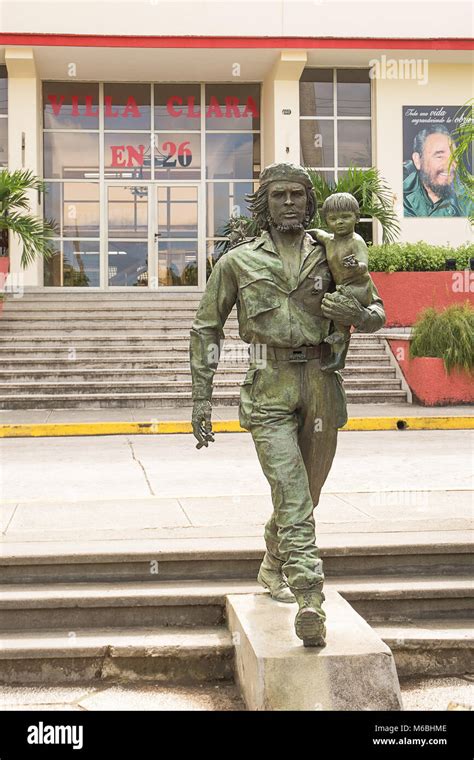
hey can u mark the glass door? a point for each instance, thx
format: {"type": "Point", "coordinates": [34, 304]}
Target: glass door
{"type": "Point", "coordinates": [153, 233]}
{"type": "Point", "coordinates": [176, 235]}
{"type": "Point", "coordinates": [127, 235]}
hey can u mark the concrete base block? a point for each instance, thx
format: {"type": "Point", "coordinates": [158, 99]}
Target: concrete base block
{"type": "Point", "coordinates": [354, 671]}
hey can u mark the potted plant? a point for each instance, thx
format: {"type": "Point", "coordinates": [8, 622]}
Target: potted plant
{"type": "Point", "coordinates": [437, 359]}
{"type": "Point", "coordinates": [34, 233]}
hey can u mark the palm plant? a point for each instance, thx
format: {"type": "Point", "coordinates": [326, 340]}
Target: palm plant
{"type": "Point", "coordinates": [34, 233]}
{"type": "Point", "coordinates": [236, 229]}
{"type": "Point", "coordinates": [374, 196]}
{"type": "Point", "coordinates": [461, 152]}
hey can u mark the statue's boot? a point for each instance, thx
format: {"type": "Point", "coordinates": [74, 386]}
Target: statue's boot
{"type": "Point", "coordinates": [271, 577]}
{"type": "Point", "coordinates": [310, 619]}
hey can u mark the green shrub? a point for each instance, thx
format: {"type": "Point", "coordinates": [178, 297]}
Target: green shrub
{"type": "Point", "coordinates": [417, 257]}
{"type": "Point", "coordinates": [447, 335]}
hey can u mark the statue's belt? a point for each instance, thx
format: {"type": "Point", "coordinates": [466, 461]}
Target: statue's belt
{"type": "Point", "coordinates": [300, 354]}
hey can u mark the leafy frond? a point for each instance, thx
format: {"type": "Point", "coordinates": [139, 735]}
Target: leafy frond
{"type": "Point", "coordinates": [14, 188]}
{"type": "Point", "coordinates": [34, 234]}
{"type": "Point", "coordinates": [462, 150]}
{"type": "Point", "coordinates": [235, 230]}
{"type": "Point", "coordinates": [374, 196]}
{"type": "Point", "coordinates": [447, 335]}
{"type": "Point", "coordinates": [462, 153]}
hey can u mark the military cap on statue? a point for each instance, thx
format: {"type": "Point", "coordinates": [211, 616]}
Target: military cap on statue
{"type": "Point", "coordinates": [285, 172]}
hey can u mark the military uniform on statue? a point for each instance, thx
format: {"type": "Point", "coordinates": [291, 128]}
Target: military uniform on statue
{"type": "Point", "coordinates": [287, 305]}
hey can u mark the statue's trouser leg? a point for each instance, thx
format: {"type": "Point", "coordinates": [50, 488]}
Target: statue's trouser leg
{"type": "Point", "coordinates": [292, 411]}
{"type": "Point", "coordinates": [320, 418]}
{"type": "Point", "coordinates": [272, 559]}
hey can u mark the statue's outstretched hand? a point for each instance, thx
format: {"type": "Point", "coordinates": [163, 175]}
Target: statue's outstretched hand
{"type": "Point", "coordinates": [350, 262]}
{"type": "Point", "coordinates": [201, 422]}
{"type": "Point", "coordinates": [342, 307]}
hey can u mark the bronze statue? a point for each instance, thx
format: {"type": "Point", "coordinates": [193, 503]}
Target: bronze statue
{"type": "Point", "coordinates": [288, 303]}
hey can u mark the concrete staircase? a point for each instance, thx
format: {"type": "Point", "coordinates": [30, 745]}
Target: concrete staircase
{"type": "Point", "coordinates": [131, 350]}
{"type": "Point", "coordinates": [115, 615]}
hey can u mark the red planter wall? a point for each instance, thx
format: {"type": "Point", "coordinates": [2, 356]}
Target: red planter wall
{"type": "Point", "coordinates": [428, 380]}
{"type": "Point", "coordinates": [405, 294]}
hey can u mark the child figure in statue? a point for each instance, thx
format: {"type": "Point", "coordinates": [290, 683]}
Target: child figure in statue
{"type": "Point", "coordinates": [347, 257]}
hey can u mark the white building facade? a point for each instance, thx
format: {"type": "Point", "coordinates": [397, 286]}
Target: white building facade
{"type": "Point", "coordinates": [150, 122]}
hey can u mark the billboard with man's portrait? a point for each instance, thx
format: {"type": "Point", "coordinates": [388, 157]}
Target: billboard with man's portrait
{"type": "Point", "coordinates": [431, 185]}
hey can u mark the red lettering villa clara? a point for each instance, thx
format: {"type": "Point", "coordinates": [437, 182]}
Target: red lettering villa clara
{"type": "Point", "coordinates": [231, 108]}
{"type": "Point", "coordinates": [128, 155]}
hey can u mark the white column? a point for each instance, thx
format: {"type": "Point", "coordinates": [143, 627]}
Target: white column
{"type": "Point", "coordinates": [281, 108]}
{"type": "Point", "coordinates": [24, 140]}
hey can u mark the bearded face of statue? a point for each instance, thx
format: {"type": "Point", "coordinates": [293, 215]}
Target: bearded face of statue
{"type": "Point", "coordinates": [287, 205]}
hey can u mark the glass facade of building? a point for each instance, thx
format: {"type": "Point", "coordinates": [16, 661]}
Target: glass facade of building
{"type": "Point", "coordinates": [336, 124]}
{"type": "Point", "coordinates": [142, 177]}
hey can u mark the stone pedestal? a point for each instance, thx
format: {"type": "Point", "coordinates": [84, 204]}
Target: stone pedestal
{"type": "Point", "coordinates": [354, 671]}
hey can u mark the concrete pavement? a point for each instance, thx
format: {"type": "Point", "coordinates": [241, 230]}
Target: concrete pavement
{"type": "Point", "coordinates": [417, 694]}
{"type": "Point", "coordinates": [137, 488]}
